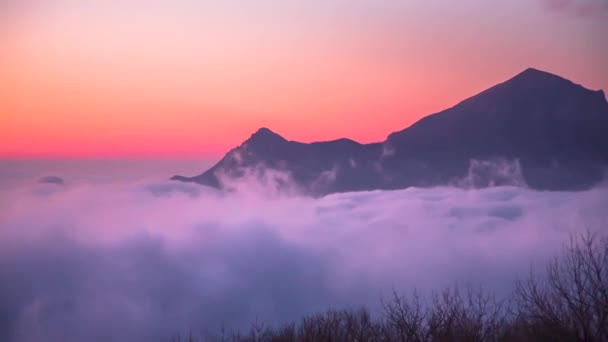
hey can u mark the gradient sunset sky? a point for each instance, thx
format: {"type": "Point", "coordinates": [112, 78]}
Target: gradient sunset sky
{"type": "Point", "coordinates": [175, 79]}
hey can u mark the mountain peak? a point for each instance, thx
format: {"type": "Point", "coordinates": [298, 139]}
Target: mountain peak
{"type": "Point", "coordinates": [265, 135]}
{"type": "Point", "coordinates": [264, 130]}
{"type": "Point", "coordinates": [545, 85]}
{"type": "Point", "coordinates": [539, 77]}
{"type": "Point", "coordinates": [534, 88]}
{"type": "Point", "coordinates": [534, 71]}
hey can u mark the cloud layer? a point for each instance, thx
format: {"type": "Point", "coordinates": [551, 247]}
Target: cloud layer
{"type": "Point", "coordinates": [137, 261]}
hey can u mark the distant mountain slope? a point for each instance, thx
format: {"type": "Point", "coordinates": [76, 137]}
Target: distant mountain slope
{"type": "Point", "coordinates": [314, 166]}
{"type": "Point", "coordinates": [555, 129]}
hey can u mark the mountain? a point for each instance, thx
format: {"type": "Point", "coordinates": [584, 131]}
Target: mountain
{"type": "Point", "coordinates": [315, 166]}
{"type": "Point", "coordinates": [542, 129]}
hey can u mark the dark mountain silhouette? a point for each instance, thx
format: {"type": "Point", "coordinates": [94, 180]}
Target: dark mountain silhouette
{"type": "Point", "coordinates": [542, 128]}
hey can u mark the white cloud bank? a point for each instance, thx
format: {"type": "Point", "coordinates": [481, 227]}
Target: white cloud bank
{"type": "Point", "coordinates": [144, 261]}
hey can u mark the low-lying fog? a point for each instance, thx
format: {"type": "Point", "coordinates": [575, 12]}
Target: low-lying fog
{"type": "Point", "coordinates": [141, 259]}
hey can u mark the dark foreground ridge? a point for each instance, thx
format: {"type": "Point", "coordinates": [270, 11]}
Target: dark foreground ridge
{"type": "Point", "coordinates": [547, 131]}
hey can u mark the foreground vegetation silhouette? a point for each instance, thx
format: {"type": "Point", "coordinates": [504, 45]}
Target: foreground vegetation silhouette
{"type": "Point", "coordinates": [567, 301]}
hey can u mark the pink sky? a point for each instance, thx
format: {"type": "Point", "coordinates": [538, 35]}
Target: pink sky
{"type": "Point", "coordinates": [185, 78]}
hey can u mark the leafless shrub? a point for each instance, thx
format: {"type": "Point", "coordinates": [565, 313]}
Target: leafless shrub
{"type": "Point", "coordinates": [448, 316]}
{"type": "Point", "coordinates": [570, 301]}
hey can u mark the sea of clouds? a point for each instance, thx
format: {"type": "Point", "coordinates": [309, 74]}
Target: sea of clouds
{"type": "Point", "coordinates": [142, 260]}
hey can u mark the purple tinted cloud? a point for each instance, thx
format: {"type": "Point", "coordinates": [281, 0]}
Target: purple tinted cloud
{"type": "Point", "coordinates": [137, 262]}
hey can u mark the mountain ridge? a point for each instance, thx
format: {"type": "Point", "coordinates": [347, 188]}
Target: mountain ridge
{"type": "Point", "coordinates": [554, 127]}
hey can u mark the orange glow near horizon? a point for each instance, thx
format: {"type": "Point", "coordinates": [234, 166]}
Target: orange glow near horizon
{"type": "Point", "coordinates": [100, 81]}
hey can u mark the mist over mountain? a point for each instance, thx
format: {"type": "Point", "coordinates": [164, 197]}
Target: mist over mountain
{"type": "Point", "coordinates": [542, 131]}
